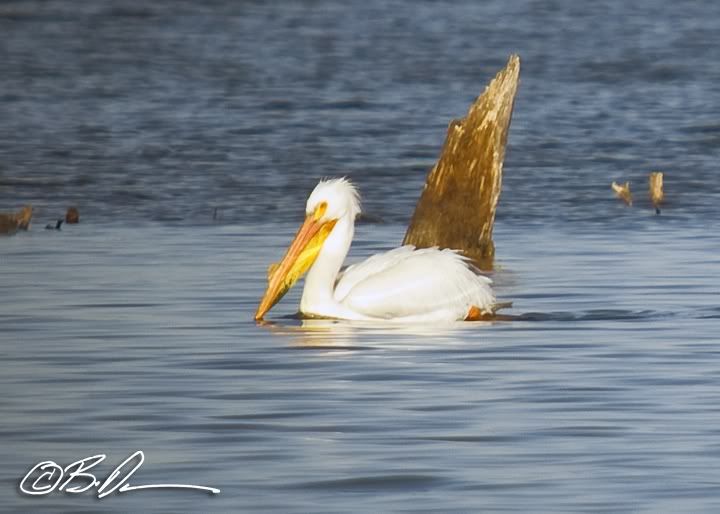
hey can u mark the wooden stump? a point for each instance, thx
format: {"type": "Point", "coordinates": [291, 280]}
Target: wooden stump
{"type": "Point", "coordinates": [655, 189]}
{"type": "Point", "coordinates": [457, 206]}
{"type": "Point", "coordinates": [11, 223]}
{"type": "Point", "coordinates": [72, 215]}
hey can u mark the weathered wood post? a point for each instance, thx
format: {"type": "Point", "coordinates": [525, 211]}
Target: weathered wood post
{"type": "Point", "coordinates": [457, 206]}
{"type": "Point", "coordinates": [655, 188]}
{"type": "Point", "coordinates": [11, 223]}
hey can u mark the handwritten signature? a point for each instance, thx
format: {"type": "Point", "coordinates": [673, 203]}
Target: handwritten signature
{"type": "Point", "coordinates": [42, 479]}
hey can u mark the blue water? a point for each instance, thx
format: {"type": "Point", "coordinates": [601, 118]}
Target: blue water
{"type": "Point", "coordinates": [133, 330]}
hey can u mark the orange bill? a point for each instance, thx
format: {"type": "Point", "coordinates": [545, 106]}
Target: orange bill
{"type": "Point", "coordinates": [299, 257]}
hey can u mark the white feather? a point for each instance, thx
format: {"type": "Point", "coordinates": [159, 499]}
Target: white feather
{"type": "Point", "coordinates": [408, 284]}
{"type": "Point", "coordinates": [374, 264]}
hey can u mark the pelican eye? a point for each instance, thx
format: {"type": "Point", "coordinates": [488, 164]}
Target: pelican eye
{"type": "Point", "coordinates": [320, 211]}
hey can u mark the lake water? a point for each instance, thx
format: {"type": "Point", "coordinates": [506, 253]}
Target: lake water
{"type": "Point", "coordinates": [133, 330]}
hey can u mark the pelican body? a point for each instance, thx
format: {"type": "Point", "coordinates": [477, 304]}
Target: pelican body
{"type": "Point", "coordinates": [404, 284]}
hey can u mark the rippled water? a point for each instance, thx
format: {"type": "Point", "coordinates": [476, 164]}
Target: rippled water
{"type": "Point", "coordinates": [133, 330]}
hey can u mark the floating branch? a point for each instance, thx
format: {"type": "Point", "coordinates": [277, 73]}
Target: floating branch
{"type": "Point", "coordinates": [622, 192]}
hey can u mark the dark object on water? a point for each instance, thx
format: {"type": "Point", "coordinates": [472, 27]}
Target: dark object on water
{"type": "Point", "coordinates": [457, 206]}
{"type": "Point", "coordinates": [56, 226]}
{"type": "Point", "coordinates": [11, 223]}
{"type": "Point", "coordinates": [72, 215]}
{"type": "Point", "coordinates": [655, 188]}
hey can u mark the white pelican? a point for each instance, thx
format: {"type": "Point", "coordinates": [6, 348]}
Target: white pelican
{"type": "Point", "coordinates": [404, 284]}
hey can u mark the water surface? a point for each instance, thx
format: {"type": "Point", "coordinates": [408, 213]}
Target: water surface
{"type": "Point", "coordinates": [133, 330]}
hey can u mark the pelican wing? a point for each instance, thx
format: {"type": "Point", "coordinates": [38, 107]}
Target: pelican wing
{"type": "Point", "coordinates": [373, 265]}
{"type": "Point", "coordinates": [407, 283]}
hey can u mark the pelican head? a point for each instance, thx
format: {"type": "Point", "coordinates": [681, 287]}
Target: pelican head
{"type": "Point", "coordinates": [339, 196]}
{"type": "Point", "coordinates": [330, 201]}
